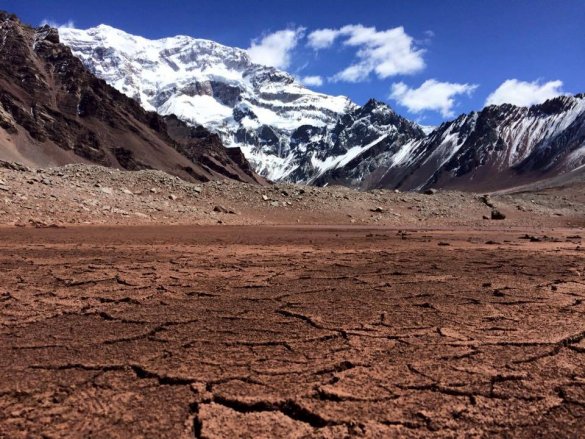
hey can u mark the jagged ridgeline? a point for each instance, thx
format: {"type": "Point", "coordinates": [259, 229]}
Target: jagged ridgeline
{"type": "Point", "coordinates": [294, 134]}
{"type": "Point", "coordinates": [54, 111]}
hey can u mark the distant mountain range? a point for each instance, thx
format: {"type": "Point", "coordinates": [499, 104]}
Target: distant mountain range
{"type": "Point", "coordinates": [286, 131]}
{"type": "Point", "coordinates": [291, 133]}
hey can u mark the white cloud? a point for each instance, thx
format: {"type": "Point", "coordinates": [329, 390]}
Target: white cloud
{"type": "Point", "coordinates": [312, 81]}
{"type": "Point", "coordinates": [383, 53]}
{"type": "Point", "coordinates": [431, 95]}
{"type": "Point", "coordinates": [69, 25]}
{"type": "Point", "coordinates": [524, 94]}
{"type": "Point", "coordinates": [322, 38]}
{"type": "Point", "coordinates": [275, 49]}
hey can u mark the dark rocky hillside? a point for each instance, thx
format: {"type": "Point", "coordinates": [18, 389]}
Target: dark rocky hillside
{"type": "Point", "coordinates": [53, 111]}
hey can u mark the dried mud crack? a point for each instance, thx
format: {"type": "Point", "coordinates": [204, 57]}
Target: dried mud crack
{"type": "Point", "coordinates": [276, 331]}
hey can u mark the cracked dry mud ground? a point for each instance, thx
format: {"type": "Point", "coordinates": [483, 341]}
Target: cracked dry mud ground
{"type": "Point", "coordinates": [290, 332]}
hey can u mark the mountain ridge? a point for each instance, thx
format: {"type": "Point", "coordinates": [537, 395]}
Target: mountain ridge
{"type": "Point", "coordinates": [255, 107]}
{"type": "Point", "coordinates": [290, 133]}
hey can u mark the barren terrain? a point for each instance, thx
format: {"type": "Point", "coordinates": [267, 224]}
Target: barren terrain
{"type": "Point", "coordinates": [413, 318]}
{"type": "Point", "coordinates": [82, 194]}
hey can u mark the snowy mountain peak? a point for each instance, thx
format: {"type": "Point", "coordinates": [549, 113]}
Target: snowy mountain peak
{"type": "Point", "coordinates": [499, 146]}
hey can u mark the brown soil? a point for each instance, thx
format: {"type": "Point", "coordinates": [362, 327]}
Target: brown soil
{"type": "Point", "coordinates": [260, 331]}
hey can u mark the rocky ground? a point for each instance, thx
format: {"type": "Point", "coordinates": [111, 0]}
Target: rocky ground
{"type": "Point", "coordinates": [313, 313]}
{"type": "Point", "coordinates": [82, 194]}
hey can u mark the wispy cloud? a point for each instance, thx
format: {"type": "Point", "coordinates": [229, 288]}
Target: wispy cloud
{"type": "Point", "coordinates": [322, 38]}
{"type": "Point", "coordinates": [432, 95]}
{"type": "Point", "coordinates": [523, 93]}
{"type": "Point", "coordinates": [384, 53]}
{"type": "Point", "coordinates": [275, 49]}
{"type": "Point", "coordinates": [312, 81]}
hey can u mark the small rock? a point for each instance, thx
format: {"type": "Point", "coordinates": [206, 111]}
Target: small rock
{"type": "Point", "coordinates": [172, 197]}
{"type": "Point", "coordinates": [497, 215]}
{"type": "Point", "coordinates": [220, 209]}
{"type": "Point", "coordinates": [126, 191]}
{"type": "Point", "coordinates": [430, 191]}
{"type": "Point", "coordinates": [531, 238]}
{"type": "Point", "coordinates": [264, 197]}
{"type": "Point", "coordinates": [485, 199]}
{"type": "Point", "coordinates": [197, 189]}
{"type": "Point", "coordinates": [377, 209]}
{"type": "Point", "coordinates": [153, 190]}
{"type": "Point", "coordinates": [107, 190]}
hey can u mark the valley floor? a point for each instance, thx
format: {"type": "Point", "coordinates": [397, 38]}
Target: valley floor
{"type": "Point", "coordinates": [291, 331]}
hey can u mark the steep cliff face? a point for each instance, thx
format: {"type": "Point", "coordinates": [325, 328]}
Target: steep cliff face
{"type": "Point", "coordinates": [54, 111]}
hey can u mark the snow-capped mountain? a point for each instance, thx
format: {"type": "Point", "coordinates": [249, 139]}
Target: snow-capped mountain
{"type": "Point", "coordinates": [499, 147]}
{"type": "Point", "coordinates": [291, 133]}
{"type": "Point", "coordinates": [257, 108]}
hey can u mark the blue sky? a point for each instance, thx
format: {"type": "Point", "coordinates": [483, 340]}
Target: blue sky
{"type": "Point", "coordinates": [429, 59]}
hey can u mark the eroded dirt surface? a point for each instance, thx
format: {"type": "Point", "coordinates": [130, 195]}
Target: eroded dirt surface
{"type": "Point", "coordinates": [290, 332]}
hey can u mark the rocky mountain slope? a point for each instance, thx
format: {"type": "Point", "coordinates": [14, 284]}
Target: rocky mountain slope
{"type": "Point", "coordinates": [290, 133]}
{"type": "Point", "coordinates": [54, 111]}
{"type": "Point", "coordinates": [498, 147]}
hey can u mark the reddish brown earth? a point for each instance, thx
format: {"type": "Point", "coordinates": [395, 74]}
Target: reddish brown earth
{"type": "Point", "coordinates": [258, 331]}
